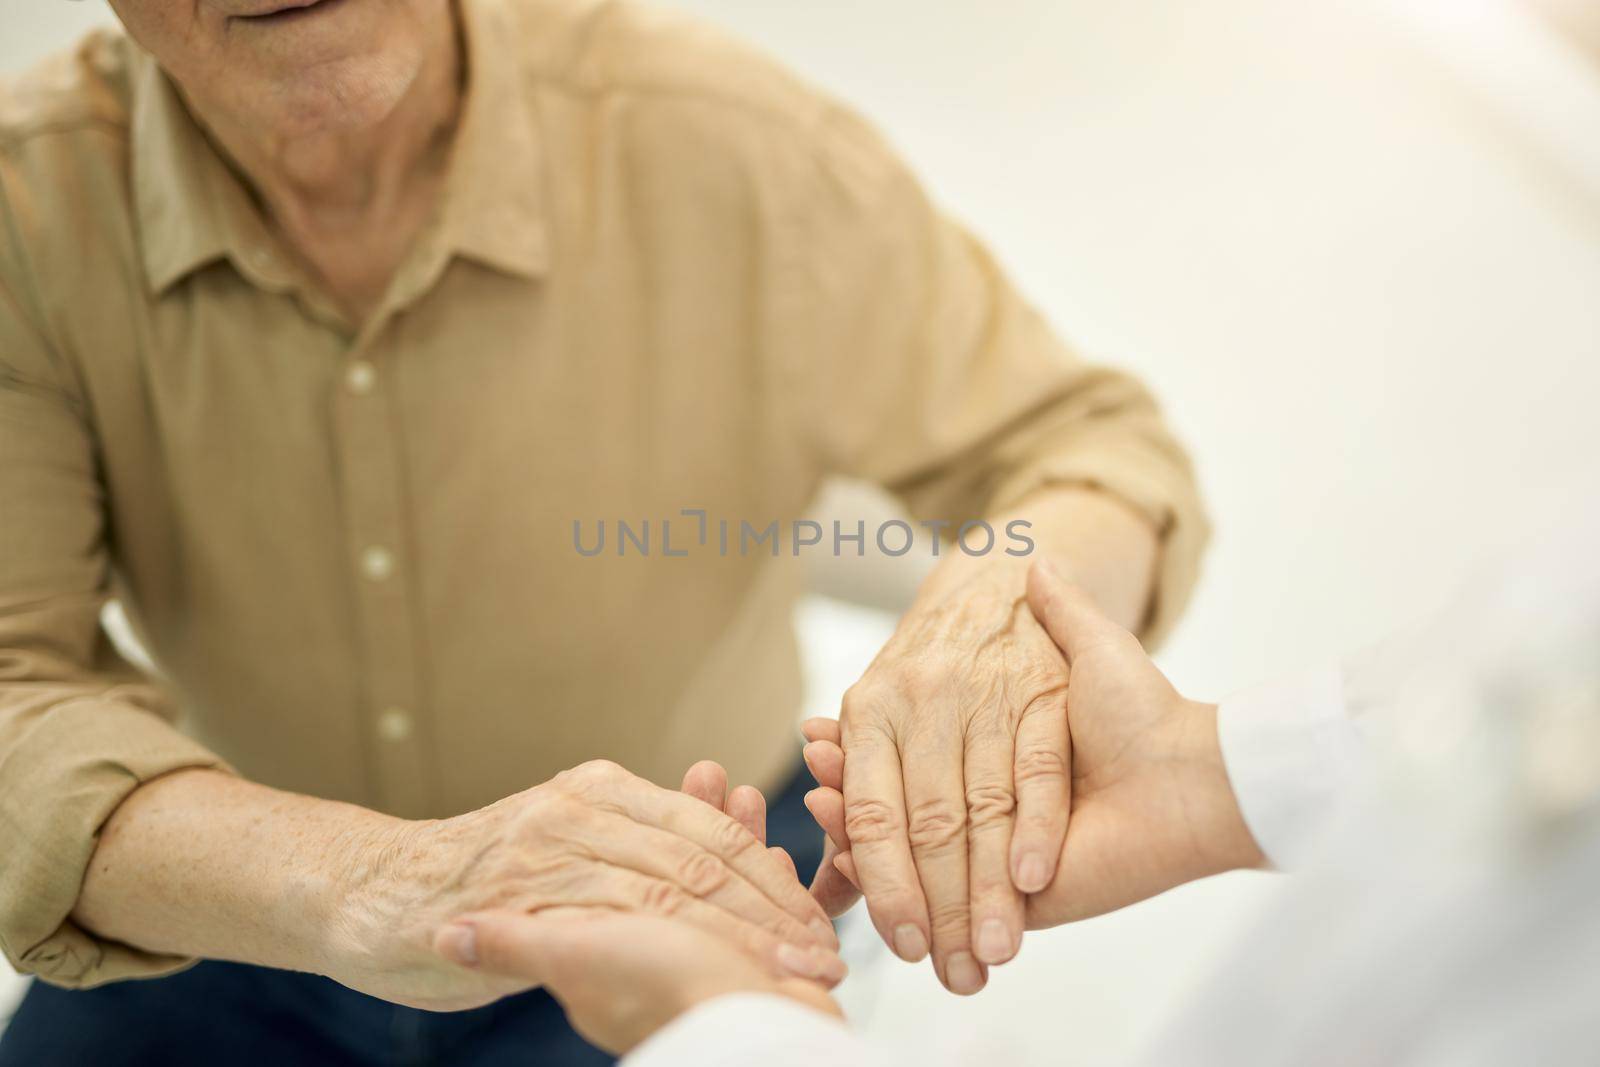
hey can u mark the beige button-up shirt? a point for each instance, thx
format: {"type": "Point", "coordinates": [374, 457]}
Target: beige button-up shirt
{"type": "Point", "coordinates": [665, 277]}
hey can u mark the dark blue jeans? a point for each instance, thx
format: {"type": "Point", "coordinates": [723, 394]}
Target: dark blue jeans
{"type": "Point", "coordinates": [242, 1016]}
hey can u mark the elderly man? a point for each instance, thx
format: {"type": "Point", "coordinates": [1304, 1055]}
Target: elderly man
{"type": "Point", "coordinates": [324, 326]}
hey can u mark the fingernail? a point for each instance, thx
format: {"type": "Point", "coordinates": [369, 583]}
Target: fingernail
{"type": "Point", "coordinates": [798, 960]}
{"type": "Point", "coordinates": [994, 942]}
{"type": "Point", "coordinates": [1033, 874]}
{"type": "Point", "coordinates": [1047, 567]}
{"type": "Point", "coordinates": [962, 974]}
{"type": "Point", "coordinates": [909, 944]}
{"type": "Point", "coordinates": [824, 931]}
{"type": "Point", "coordinates": [833, 968]}
{"type": "Point", "coordinates": [459, 942]}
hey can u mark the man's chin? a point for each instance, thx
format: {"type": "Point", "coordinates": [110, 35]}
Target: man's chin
{"type": "Point", "coordinates": [340, 94]}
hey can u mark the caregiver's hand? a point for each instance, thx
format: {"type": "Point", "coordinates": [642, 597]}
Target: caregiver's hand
{"type": "Point", "coordinates": [1152, 807]}
{"type": "Point", "coordinates": [955, 772]}
{"type": "Point", "coordinates": [1151, 803]}
{"type": "Point", "coordinates": [621, 976]}
{"type": "Point", "coordinates": [594, 836]}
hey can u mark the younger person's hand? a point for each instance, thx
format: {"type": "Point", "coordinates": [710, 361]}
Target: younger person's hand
{"type": "Point", "coordinates": [621, 976]}
{"type": "Point", "coordinates": [1151, 806]}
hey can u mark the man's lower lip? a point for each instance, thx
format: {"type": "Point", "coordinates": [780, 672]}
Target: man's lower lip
{"type": "Point", "coordinates": [286, 14]}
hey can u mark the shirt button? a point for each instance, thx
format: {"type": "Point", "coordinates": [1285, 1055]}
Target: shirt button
{"type": "Point", "coordinates": [394, 725]}
{"type": "Point", "coordinates": [360, 377]}
{"type": "Point", "coordinates": [377, 563]}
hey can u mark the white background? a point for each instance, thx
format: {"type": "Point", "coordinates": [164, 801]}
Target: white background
{"type": "Point", "coordinates": [1356, 249]}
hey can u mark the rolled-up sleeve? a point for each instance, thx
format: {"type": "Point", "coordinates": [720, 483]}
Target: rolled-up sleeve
{"type": "Point", "coordinates": [923, 369]}
{"type": "Point", "coordinates": [79, 728]}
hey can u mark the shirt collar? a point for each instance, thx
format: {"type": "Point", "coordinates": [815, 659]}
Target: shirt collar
{"type": "Point", "coordinates": [494, 198]}
{"type": "Point", "coordinates": [184, 197]}
{"type": "Point", "coordinates": [192, 208]}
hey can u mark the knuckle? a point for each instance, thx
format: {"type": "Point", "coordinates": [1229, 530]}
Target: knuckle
{"type": "Point", "coordinates": [782, 928]}
{"type": "Point", "coordinates": [662, 898]}
{"type": "Point", "coordinates": [869, 821]}
{"type": "Point", "coordinates": [602, 770]}
{"type": "Point", "coordinates": [916, 685]}
{"type": "Point", "coordinates": [1038, 763]}
{"type": "Point", "coordinates": [991, 884]}
{"type": "Point", "coordinates": [950, 920]}
{"type": "Point", "coordinates": [994, 897]}
{"type": "Point", "coordinates": [864, 700]}
{"type": "Point", "coordinates": [1045, 677]}
{"type": "Point", "coordinates": [989, 805]}
{"type": "Point", "coordinates": [936, 825]}
{"type": "Point", "coordinates": [1040, 826]}
{"type": "Point", "coordinates": [701, 874]}
{"type": "Point", "coordinates": [592, 774]}
{"type": "Point", "coordinates": [729, 838]}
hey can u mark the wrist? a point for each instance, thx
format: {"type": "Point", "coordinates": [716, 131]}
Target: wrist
{"type": "Point", "coordinates": [1003, 577]}
{"type": "Point", "coordinates": [994, 583]}
{"type": "Point", "coordinates": [375, 922]}
{"type": "Point", "coordinates": [404, 882]}
{"type": "Point", "coordinates": [1223, 841]}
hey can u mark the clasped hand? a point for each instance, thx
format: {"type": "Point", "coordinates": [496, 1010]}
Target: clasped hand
{"type": "Point", "coordinates": [1100, 736]}
{"type": "Point", "coordinates": [1150, 808]}
{"type": "Point", "coordinates": [593, 837]}
{"type": "Point", "coordinates": [950, 782]}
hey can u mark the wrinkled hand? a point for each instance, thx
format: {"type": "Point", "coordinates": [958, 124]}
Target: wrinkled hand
{"type": "Point", "coordinates": [1151, 806]}
{"type": "Point", "coordinates": [954, 777]}
{"type": "Point", "coordinates": [594, 836]}
{"type": "Point", "coordinates": [707, 781]}
{"type": "Point", "coordinates": [621, 976]}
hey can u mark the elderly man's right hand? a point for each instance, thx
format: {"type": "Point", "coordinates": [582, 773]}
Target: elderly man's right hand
{"type": "Point", "coordinates": [595, 836]}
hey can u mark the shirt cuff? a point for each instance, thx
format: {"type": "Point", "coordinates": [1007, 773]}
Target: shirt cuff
{"type": "Point", "coordinates": [741, 1029]}
{"type": "Point", "coordinates": [1157, 487]}
{"type": "Point", "coordinates": [66, 768]}
{"type": "Point", "coordinates": [1293, 756]}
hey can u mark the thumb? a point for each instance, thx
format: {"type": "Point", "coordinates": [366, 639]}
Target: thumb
{"type": "Point", "coordinates": [539, 948]}
{"type": "Point", "coordinates": [1067, 612]}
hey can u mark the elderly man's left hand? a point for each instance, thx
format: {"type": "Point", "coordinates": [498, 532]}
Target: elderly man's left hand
{"type": "Point", "coordinates": [956, 772]}
{"type": "Point", "coordinates": [622, 976]}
